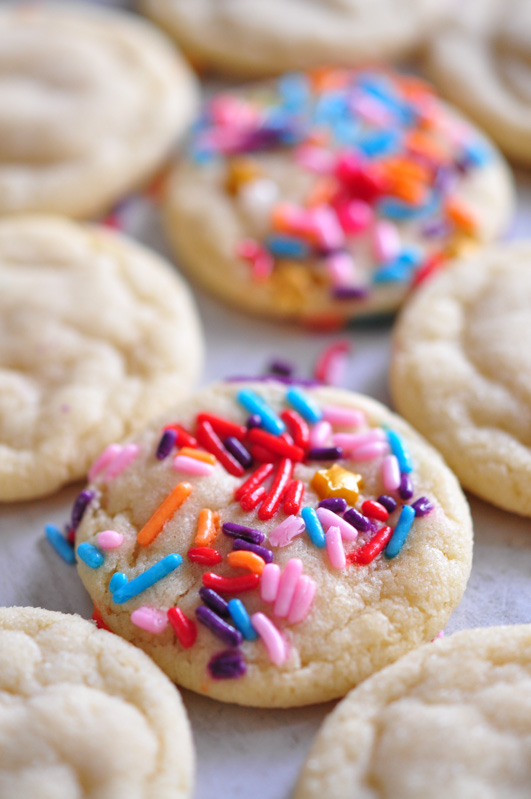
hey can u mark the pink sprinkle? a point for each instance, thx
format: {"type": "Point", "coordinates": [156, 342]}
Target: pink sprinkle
{"type": "Point", "coordinates": [273, 641]}
{"type": "Point", "coordinates": [330, 519]}
{"type": "Point", "coordinates": [354, 216]}
{"type": "Point", "coordinates": [104, 459]}
{"type": "Point", "coordinates": [315, 159]}
{"type": "Point", "coordinates": [351, 441]}
{"type": "Point", "coordinates": [121, 461]}
{"type": "Point", "coordinates": [302, 599]}
{"type": "Point", "coordinates": [226, 109]}
{"type": "Point", "coordinates": [370, 451]}
{"type": "Point", "coordinates": [390, 473]}
{"type": "Point", "coordinates": [286, 531]}
{"type": "Point", "coordinates": [183, 463]}
{"type": "Point", "coordinates": [340, 267]}
{"type": "Point", "coordinates": [371, 110]}
{"type": "Point", "coordinates": [109, 539]}
{"type": "Point", "coordinates": [347, 417]}
{"type": "Point", "coordinates": [335, 548]}
{"type": "Point", "coordinates": [286, 587]}
{"type": "Point", "coordinates": [327, 228]}
{"type": "Point", "coordinates": [320, 434]}
{"type": "Point", "coordinates": [269, 582]}
{"type": "Point", "coordinates": [385, 240]}
{"type": "Point", "coordinates": [336, 366]}
{"type": "Point", "coordinates": [150, 619]}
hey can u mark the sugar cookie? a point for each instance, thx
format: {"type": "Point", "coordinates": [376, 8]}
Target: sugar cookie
{"type": "Point", "coordinates": [232, 579]}
{"type": "Point", "coordinates": [97, 336]}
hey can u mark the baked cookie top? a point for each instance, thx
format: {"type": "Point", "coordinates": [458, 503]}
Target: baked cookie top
{"type": "Point", "coordinates": [254, 38]}
{"type": "Point", "coordinates": [273, 545]}
{"type": "Point", "coordinates": [329, 195]}
{"type": "Point", "coordinates": [97, 336]}
{"type": "Point", "coordinates": [85, 714]}
{"type": "Point", "coordinates": [451, 719]}
{"type": "Point", "coordinates": [481, 60]}
{"type": "Point", "coordinates": [461, 371]}
{"type": "Point", "coordinates": [92, 100]}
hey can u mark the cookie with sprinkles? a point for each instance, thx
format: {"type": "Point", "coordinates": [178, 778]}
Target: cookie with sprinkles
{"type": "Point", "coordinates": [451, 719]}
{"type": "Point", "coordinates": [253, 38]}
{"type": "Point", "coordinates": [461, 371]}
{"type": "Point", "coordinates": [329, 195]}
{"type": "Point", "coordinates": [98, 335]}
{"type": "Point", "coordinates": [274, 545]}
{"type": "Point", "coordinates": [85, 714]}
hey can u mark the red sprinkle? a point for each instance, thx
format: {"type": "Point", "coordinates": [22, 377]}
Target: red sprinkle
{"type": "Point", "coordinates": [98, 618]}
{"type": "Point", "coordinates": [372, 548]}
{"type": "Point", "coordinates": [184, 628]}
{"type": "Point", "coordinates": [204, 555]}
{"type": "Point", "coordinates": [223, 427]}
{"type": "Point", "coordinates": [230, 585]}
{"type": "Point", "coordinates": [250, 500]}
{"type": "Point", "coordinates": [272, 500]}
{"type": "Point", "coordinates": [210, 440]}
{"type": "Point", "coordinates": [374, 510]}
{"type": "Point", "coordinates": [297, 427]}
{"type": "Point", "coordinates": [256, 479]}
{"type": "Point", "coordinates": [428, 268]}
{"type": "Point", "coordinates": [293, 497]}
{"type": "Point", "coordinates": [275, 444]}
{"type": "Point", "coordinates": [184, 438]}
{"type": "Point", "coordinates": [262, 455]}
{"type": "Point", "coordinates": [322, 367]}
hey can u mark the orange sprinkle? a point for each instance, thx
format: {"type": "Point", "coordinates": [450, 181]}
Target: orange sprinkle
{"type": "Point", "coordinates": [242, 559]}
{"type": "Point", "coordinates": [405, 167]}
{"type": "Point", "coordinates": [321, 193]}
{"type": "Point", "coordinates": [325, 79]}
{"type": "Point", "coordinates": [198, 454]}
{"type": "Point", "coordinates": [164, 512]}
{"type": "Point", "coordinates": [409, 190]}
{"type": "Point", "coordinates": [424, 144]}
{"type": "Point", "coordinates": [319, 138]}
{"type": "Point", "coordinates": [207, 528]}
{"type": "Point", "coordinates": [460, 215]}
{"type": "Point", "coordinates": [414, 87]}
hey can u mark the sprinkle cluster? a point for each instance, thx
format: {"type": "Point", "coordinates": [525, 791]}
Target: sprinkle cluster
{"type": "Point", "coordinates": [263, 454]}
{"type": "Point", "coordinates": [384, 160]}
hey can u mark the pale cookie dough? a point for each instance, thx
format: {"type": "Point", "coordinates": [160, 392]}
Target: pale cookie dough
{"type": "Point", "coordinates": [451, 719]}
{"type": "Point", "coordinates": [461, 372]}
{"type": "Point", "coordinates": [97, 336]}
{"type": "Point", "coordinates": [328, 195]}
{"type": "Point", "coordinates": [84, 715]}
{"type": "Point", "coordinates": [362, 618]}
{"type": "Point", "coordinates": [262, 37]}
{"type": "Point", "coordinates": [481, 60]}
{"type": "Point", "coordinates": [92, 101]}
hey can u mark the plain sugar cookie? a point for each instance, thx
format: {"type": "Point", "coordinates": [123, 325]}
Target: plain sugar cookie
{"type": "Point", "coordinates": [329, 195]}
{"type": "Point", "coordinates": [92, 101]}
{"type": "Point", "coordinates": [481, 60]}
{"type": "Point", "coordinates": [97, 336]}
{"type": "Point", "coordinates": [83, 714]}
{"type": "Point", "coordinates": [253, 38]}
{"type": "Point", "coordinates": [461, 372]}
{"type": "Point", "coordinates": [451, 719]}
{"type": "Point", "coordinates": [274, 546]}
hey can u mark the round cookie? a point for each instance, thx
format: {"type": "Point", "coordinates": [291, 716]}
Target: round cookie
{"type": "Point", "coordinates": [92, 101]}
{"type": "Point", "coordinates": [480, 59]}
{"type": "Point", "coordinates": [451, 719]}
{"type": "Point", "coordinates": [97, 336]}
{"type": "Point", "coordinates": [328, 195]}
{"type": "Point", "coordinates": [263, 38]}
{"type": "Point", "coordinates": [461, 372]}
{"type": "Point", "coordinates": [84, 714]}
{"type": "Point", "coordinates": [329, 608]}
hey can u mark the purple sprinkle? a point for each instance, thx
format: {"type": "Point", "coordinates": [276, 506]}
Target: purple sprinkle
{"type": "Point", "coordinates": [435, 228]}
{"type": "Point", "coordinates": [214, 601]}
{"type": "Point", "coordinates": [335, 504]}
{"type": "Point", "coordinates": [264, 553]}
{"type": "Point", "coordinates": [239, 531]}
{"type": "Point", "coordinates": [224, 631]}
{"type": "Point", "coordinates": [280, 367]}
{"type": "Point", "coordinates": [305, 382]}
{"type": "Point", "coordinates": [227, 665]}
{"type": "Point", "coordinates": [325, 454]}
{"type": "Point", "coordinates": [422, 506]}
{"type": "Point", "coordinates": [253, 421]}
{"type": "Point", "coordinates": [405, 488]}
{"type": "Point", "coordinates": [166, 444]}
{"type": "Point", "coordinates": [388, 502]}
{"type": "Point", "coordinates": [350, 293]}
{"type": "Point", "coordinates": [358, 520]}
{"type": "Point", "coordinates": [237, 449]}
{"type": "Point", "coordinates": [80, 506]}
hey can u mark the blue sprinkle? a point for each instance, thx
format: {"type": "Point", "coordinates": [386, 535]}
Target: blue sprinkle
{"type": "Point", "coordinates": [400, 451]}
{"type": "Point", "coordinates": [304, 405]}
{"type": "Point", "coordinates": [380, 142]}
{"type": "Point", "coordinates": [90, 555]}
{"type": "Point", "coordinates": [295, 91]}
{"type": "Point", "coordinates": [330, 107]}
{"type": "Point", "coordinates": [382, 89]}
{"type": "Point", "coordinates": [346, 132]}
{"type": "Point", "coordinates": [242, 620]}
{"type": "Point", "coordinates": [401, 267]}
{"type": "Point", "coordinates": [314, 528]}
{"type": "Point", "coordinates": [398, 209]}
{"type": "Point", "coordinates": [148, 578]}
{"type": "Point", "coordinates": [117, 580]}
{"type": "Point", "coordinates": [59, 543]}
{"type": "Point", "coordinates": [255, 404]}
{"type": "Point", "coordinates": [477, 153]}
{"type": "Point", "coordinates": [286, 246]}
{"type": "Point", "coordinates": [403, 526]}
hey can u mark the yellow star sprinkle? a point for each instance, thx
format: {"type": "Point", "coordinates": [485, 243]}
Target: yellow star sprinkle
{"type": "Point", "coordinates": [337, 482]}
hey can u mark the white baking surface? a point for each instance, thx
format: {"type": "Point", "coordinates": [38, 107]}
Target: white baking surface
{"type": "Point", "coordinates": [244, 751]}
